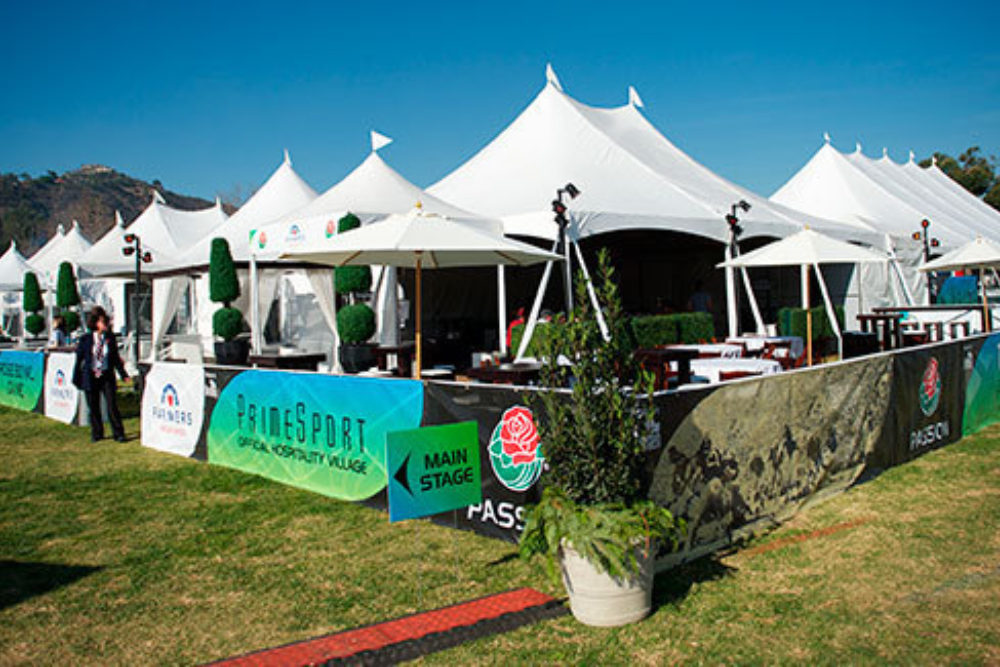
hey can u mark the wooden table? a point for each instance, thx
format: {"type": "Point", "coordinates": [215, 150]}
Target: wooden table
{"type": "Point", "coordinates": [520, 374]}
{"type": "Point", "coordinates": [885, 326]}
{"type": "Point", "coordinates": [657, 360]}
{"type": "Point", "coordinates": [298, 361]}
{"type": "Point", "coordinates": [404, 357]}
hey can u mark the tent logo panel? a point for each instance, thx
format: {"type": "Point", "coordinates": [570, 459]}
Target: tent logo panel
{"type": "Point", "coordinates": [515, 449]}
{"type": "Point", "coordinates": [930, 388]}
{"type": "Point", "coordinates": [295, 234]}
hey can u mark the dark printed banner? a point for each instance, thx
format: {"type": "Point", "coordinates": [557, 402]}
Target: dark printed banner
{"type": "Point", "coordinates": [22, 378]}
{"type": "Point", "coordinates": [323, 433]}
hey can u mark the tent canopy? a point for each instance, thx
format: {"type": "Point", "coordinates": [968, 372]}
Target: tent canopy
{"type": "Point", "coordinates": [164, 231]}
{"type": "Point", "coordinates": [973, 255]}
{"type": "Point", "coordinates": [62, 247]}
{"type": "Point", "coordinates": [284, 191]}
{"type": "Point", "coordinates": [13, 266]}
{"type": "Point", "coordinates": [630, 177]}
{"type": "Point", "coordinates": [806, 247]}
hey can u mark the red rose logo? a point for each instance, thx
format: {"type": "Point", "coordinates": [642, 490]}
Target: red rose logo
{"type": "Point", "coordinates": [519, 435]}
{"type": "Point", "coordinates": [930, 378]}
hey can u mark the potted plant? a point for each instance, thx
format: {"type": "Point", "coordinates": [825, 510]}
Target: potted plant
{"type": "Point", "coordinates": [227, 322]}
{"type": "Point", "coordinates": [32, 302]}
{"type": "Point", "coordinates": [67, 296]}
{"type": "Point", "coordinates": [355, 321]}
{"type": "Point", "coordinates": [594, 519]}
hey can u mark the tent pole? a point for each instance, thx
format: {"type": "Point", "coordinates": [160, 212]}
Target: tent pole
{"type": "Point", "coordinates": [254, 309]}
{"type": "Point", "coordinates": [420, 355]}
{"type": "Point", "coordinates": [761, 329]}
{"type": "Point", "coordinates": [987, 325]}
{"type": "Point", "coordinates": [529, 327]}
{"type": "Point", "coordinates": [731, 314]}
{"type": "Point", "coordinates": [809, 317]}
{"type": "Point", "coordinates": [830, 312]}
{"type": "Point", "coordinates": [593, 295]}
{"type": "Point", "coordinates": [502, 309]}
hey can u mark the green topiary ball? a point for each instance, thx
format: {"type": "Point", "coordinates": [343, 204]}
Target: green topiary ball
{"type": "Point", "coordinates": [355, 324]}
{"type": "Point", "coordinates": [72, 320]}
{"type": "Point", "coordinates": [34, 324]}
{"type": "Point", "coordinates": [227, 323]}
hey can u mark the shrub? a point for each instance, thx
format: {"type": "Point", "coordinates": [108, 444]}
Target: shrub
{"type": "Point", "coordinates": [348, 279]}
{"type": "Point", "coordinates": [355, 323]}
{"type": "Point", "coordinates": [223, 285]}
{"type": "Point", "coordinates": [792, 322]}
{"type": "Point", "coordinates": [66, 292]}
{"type": "Point", "coordinates": [32, 294]}
{"type": "Point", "coordinates": [34, 324]}
{"type": "Point", "coordinates": [653, 330]}
{"type": "Point", "coordinates": [72, 319]}
{"type": "Point", "coordinates": [543, 330]}
{"type": "Point", "coordinates": [227, 323]}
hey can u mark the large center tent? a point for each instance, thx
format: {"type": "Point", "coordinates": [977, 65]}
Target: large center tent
{"type": "Point", "coordinates": [181, 304]}
{"type": "Point", "coordinates": [165, 233]}
{"type": "Point", "coordinates": [893, 200]}
{"type": "Point", "coordinates": [660, 212]}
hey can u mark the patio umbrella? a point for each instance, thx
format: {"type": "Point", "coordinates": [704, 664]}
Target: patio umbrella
{"type": "Point", "coordinates": [978, 254]}
{"type": "Point", "coordinates": [421, 240]}
{"type": "Point", "coordinates": [809, 248]}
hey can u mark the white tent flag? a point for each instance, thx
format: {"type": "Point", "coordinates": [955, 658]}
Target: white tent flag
{"type": "Point", "coordinates": [379, 140]}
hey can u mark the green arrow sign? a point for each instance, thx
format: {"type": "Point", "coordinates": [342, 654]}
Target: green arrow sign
{"type": "Point", "coordinates": [432, 470]}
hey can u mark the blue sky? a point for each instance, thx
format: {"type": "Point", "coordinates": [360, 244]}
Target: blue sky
{"type": "Point", "coordinates": [204, 96]}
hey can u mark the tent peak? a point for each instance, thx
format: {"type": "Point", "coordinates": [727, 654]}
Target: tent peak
{"type": "Point", "coordinates": [912, 156]}
{"type": "Point", "coordinates": [288, 158]}
{"type": "Point", "coordinates": [218, 201]}
{"type": "Point", "coordinates": [885, 152]}
{"type": "Point", "coordinates": [857, 148]}
{"type": "Point", "coordinates": [379, 140]}
{"type": "Point", "coordinates": [60, 230]}
{"type": "Point", "coordinates": [157, 197]}
{"type": "Point", "coordinates": [550, 77]}
{"type": "Point", "coordinates": [826, 137]}
{"type": "Point", "coordinates": [119, 221]}
{"type": "Point", "coordinates": [633, 98]}
{"type": "Point", "coordinates": [76, 224]}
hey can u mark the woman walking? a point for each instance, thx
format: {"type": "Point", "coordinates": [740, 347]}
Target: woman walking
{"type": "Point", "coordinates": [97, 359]}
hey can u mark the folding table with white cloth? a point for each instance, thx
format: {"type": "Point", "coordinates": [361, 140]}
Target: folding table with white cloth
{"type": "Point", "coordinates": [712, 369]}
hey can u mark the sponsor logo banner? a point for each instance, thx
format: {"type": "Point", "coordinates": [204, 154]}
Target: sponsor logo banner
{"type": "Point", "coordinates": [62, 399]}
{"type": "Point", "coordinates": [434, 469]}
{"type": "Point", "coordinates": [22, 375]}
{"type": "Point", "coordinates": [323, 433]}
{"type": "Point", "coordinates": [173, 407]}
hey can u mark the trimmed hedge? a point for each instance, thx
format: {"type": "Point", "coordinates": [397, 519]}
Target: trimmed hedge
{"type": "Point", "coordinates": [223, 283]}
{"type": "Point", "coordinates": [644, 331]}
{"type": "Point", "coordinates": [32, 296]}
{"type": "Point", "coordinates": [66, 292]}
{"type": "Point", "coordinates": [792, 322]}
{"type": "Point", "coordinates": [227, 323]}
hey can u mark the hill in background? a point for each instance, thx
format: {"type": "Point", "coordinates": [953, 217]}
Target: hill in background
{"type": "Point", "coordinates": [32, 208]}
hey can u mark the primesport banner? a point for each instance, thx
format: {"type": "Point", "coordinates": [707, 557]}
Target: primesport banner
{"type": "Point", "coordinates": [173, 407]}
{"type": "Point", "coordinates": [323, 433]}
{"type": "Point", "coordinates": [62, 399]}
{"type": "Point", "coordinates": [21, 378]}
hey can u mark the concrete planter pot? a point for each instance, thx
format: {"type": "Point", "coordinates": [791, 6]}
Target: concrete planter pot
{"type": "Point", "coordinates": [598, 599]}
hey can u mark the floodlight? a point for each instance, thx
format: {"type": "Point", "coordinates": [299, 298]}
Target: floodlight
{"type": "Point", "coordinates": [744, 204]}
{"type": "Point", "coordinates": [571, 190]}
{"type": "Point", "coordinates": [130, 238]}
{"type": "Point", "coordinates": [128, 250]}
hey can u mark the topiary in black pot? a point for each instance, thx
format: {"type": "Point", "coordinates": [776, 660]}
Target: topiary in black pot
{"type": "Point", "coordinates": [355, 322]}
{"type": "Point", "coordinates": [33, 323]}
{"type": "Point", "coordinates": [227, 322]}
{"type": "Point", "coordinates": [68, 296]}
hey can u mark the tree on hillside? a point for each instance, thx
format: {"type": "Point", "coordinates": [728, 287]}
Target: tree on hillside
{"type": "Point", "coordinates": [977, 173]}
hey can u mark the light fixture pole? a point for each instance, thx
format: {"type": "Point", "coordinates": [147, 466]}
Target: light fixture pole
{"type": "Point", "coordinates": [559, 208]}
{"type": "Point", "coordinates": [924, 235]}
{"type": "Point", "coordinates": [134, 247]}
{"type": "Point", "coordinates": [733, 251]}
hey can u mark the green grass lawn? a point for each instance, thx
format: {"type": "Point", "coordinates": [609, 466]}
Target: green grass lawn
{"type": "Point", "coordinates": [116, 554]}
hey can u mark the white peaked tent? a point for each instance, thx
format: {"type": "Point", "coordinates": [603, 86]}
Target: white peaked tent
{"type": "Point", "coordinates": [946, 219]}
{"type": "Point", "coordinates": [630, 176]}
{"type": "Point", "coordinates": [283, 191]}
{"type": "Point", "coordinates": [166, 233]}
{"type": "Point", "coordinates": [809, 249]}
{"type": "Point", "coordinates": [62, 247]}
{"type": "Point", "coordinates": [13, 266]}
{"type": "Point", "coordinates": [937, 181]}
{"type": "Point", "coordinates": [372, 191]}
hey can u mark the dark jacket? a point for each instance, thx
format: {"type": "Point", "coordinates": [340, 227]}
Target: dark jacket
{"type": "Point", "coordinates": [83, 371]}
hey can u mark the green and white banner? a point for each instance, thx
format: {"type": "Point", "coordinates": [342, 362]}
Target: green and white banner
{"type": "Point", "coordinates": [21, 378]}
{"type": "Point", "coordinates": [324, 433]}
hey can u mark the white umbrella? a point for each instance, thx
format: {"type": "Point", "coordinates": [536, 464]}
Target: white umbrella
{"type": "Point", "coordinates": [417, 240]}
{"type": "Point", "coordinates": [808, 248]}
{"type": "Point", "coordinates": [978, 254]}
